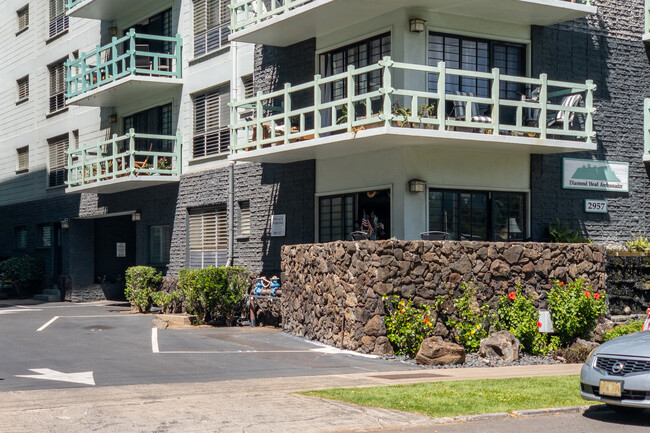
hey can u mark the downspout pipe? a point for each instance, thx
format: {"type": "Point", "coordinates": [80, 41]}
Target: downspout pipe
{"type": "Point", "coordinates": [234, 90]}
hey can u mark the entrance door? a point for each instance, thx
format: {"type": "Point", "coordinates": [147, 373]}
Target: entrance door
{"type": "Point", "coordinates": [367, 211]}
{"type": "Point", "coordinates": [114, 248]}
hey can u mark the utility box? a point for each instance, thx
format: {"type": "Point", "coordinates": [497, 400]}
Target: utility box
{"type": "Point", "coordinates": [545, 320]}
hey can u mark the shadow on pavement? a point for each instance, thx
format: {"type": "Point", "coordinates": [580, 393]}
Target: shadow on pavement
{"type": "Point", "coordinates": [620, 416]}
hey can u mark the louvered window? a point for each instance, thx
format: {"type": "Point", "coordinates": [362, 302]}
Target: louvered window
{"type": "Point", "coordinates": [22, 156]}
{"type": "Point", "coordinates": [245, 218]}
{"type": "Point", "coordinates": [20, 237]}
{"type": "Point", "coordinates": [44, 235]}
{"type": "Point", "coordinates": [57, 86]}
{"type": "Point", "coordinates": [23, 88]}
{"type": "Point", "coordinates": [159, 243]}
{"type": "Point", "coordinates": [208, 237]}
{"type": "Point", "coordinates": [57, 147]}
{"type": "Point", "coordinates": [211, 21]}
{"type": "Point", "coordinates": [23, 18]}
{"type": "Point", "coordinates": [211, 118]}
{"type": "Point", "coordinates": [249, 90]}
{"type": "Point", "coordinates": [58, 18]}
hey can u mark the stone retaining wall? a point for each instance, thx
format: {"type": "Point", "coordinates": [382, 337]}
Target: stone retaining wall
{"type": "Point", "coordinates": [628, 284]}
{"type": "Point", "coordinates": [322, 283]}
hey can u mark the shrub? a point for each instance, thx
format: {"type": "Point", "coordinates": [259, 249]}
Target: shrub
{"type": "Point", "coordinates": [560, 233]}
{"type": "Point", "coordinates": [517, 314]}
{"type": "Point", "coordinates": [166, 301]}
{"type": "Point", "coordinates": [574, 309]}
{"type": "Point", "coordinates": [406, 325]}
{"type": "Point", "coordinates": [141, 284]}
{"type": "Point", "coordinates": [620, 330]}
{"type": "Point", "coordinates": [638, 244]}
{"type": "Point", "coordinates": [473, 321]}
{"type": "Point", "coordinates": [213, 292]}
{"type": "Point", "coordinates": [24, 272]}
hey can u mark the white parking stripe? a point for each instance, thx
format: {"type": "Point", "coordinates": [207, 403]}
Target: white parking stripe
{"type": "Point", "coordinates": [47, 324]}
{"type": "Point", "coordinates": [154, 340]}
{"type": "Point", "coordinates": [22, 310]}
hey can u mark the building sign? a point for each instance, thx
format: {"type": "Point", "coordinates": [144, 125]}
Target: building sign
{"type": "Point", "coordinates": [120, 249]}
{"type": "Point", "coordinates": [595, 206]}
{"type": "Point", "coordinates": [278, 225]}
{"type": "Point", "coordinates": [595, 175]}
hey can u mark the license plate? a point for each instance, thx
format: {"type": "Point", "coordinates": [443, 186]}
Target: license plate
{"type": "Point", "coordinates": [610, 389]}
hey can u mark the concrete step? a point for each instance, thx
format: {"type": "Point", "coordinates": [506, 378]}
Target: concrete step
{"type": "Point", "coordinates": [47, 298]}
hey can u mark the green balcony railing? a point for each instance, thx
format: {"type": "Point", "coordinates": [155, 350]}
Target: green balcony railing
{"type": "Point", "coordinates": [393, 94]}
{"type": "Point", "coordinates": [133, 156]}
{"type": "Point", "coordinates": [245, 13]}
{"type": "Point", "coordinates": [72, 3]}
{"type": "Point", "coordinates": [133, 54]}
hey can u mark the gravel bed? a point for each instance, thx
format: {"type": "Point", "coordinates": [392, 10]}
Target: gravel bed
{"type": "Point", "coordinates": [472, 360]}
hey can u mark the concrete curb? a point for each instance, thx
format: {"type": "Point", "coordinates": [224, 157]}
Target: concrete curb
{"type": "Point", "coordinates": [513, 414]}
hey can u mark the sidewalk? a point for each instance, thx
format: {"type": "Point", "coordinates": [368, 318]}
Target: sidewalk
{"type": "Point", "coordinates": [261, 405]}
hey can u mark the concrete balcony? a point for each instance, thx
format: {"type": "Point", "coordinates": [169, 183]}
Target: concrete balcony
{"type": "Point", "coordinates": [126, 70]}
{"type": "Point", "coordinates": [286, 22]}
{"type": "Point", "coordinates": [106, 10]}
{"type": "Point", "coordinates": [390, 104]}
{"type": "Point", "coordinates": [120, 164]}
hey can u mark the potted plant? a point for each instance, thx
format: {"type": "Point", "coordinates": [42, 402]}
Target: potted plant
{"type": "Point", "coordinates": [399, 111]}
{"type": "Point", "coordinates": [427, 112]}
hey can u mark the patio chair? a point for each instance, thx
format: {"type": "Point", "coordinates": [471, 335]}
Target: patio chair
{"type": "Point", "coordinates": [559, 118]}
{"type": "Point", "coordinates": [359, 236]}
{"type": "Point", "coordinates": [460, 107]}
{"type": "Point", "coordinates": [433, 236]}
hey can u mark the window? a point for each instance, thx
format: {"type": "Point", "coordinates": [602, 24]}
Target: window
{"type": "Point", "coordinates": [211, 118]}
{"type": "Point", "coordinates": [478, 215]}
{"type": "Point", "coordinates": [208, 237]}
{"type": "Point", "coordinates": [244, 218]}
{"type": "Point", "coordinates": [211, 21]}
{"type": "Point", "coordinates": [20, 237]}
{"type": "Point", "coordinates": [57, 160]}
{"type": "Point", "coordinates": [23, 18]}
{"type": "Point", "coordinates": [159, 244]}
{"type": "Point", "coordinates": [22, 159]}
{"type": "Point", "coordinates": [57, 86]}
{"type": "Point", "coordinates": [23, 88]}
{"type": "Point", "coordinates": [58, 18]}
{"type": "Point", "coordinates": [248, 86]}
{"type": "Point", "coordinates": [340, 215]}
{"type": "Point", "coordinates": [44, 235]}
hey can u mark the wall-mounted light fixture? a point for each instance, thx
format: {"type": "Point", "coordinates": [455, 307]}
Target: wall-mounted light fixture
{"type": "Point", "coordinates": [135, 216]}
{"type": "Point", "coordinates": [113, 118]}
{"type": "Point", "coordinates": [416, 25]}
{"type": "Point", "coordinates": [112, 31]}
{"type": "Point", "coordinates": [65, 223]}
{"type": "Point", "coordinates": [416, 185]}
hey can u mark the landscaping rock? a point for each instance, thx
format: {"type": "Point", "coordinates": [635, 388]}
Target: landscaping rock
{"type": "Point", "coordinates": [588, 345]}
{"type": "Point", "coordinates": [500, 345]}
{"type": "Point", "coordinates": [602, 327]}
{"type": "Point", "coordinates": [436, 351]}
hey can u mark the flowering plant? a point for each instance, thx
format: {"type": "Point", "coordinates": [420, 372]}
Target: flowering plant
{"type": "Point", "coordinates": [407, 325]}
{"type": "Point", "coordinates": [473, 322]}
{"type": "Point", "coordinates": [517, 314]}
{"type": "Point", "coordinates": [575, 308]}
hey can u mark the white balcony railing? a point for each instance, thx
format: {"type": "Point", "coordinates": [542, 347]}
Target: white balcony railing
{"type": "Point", "coordinates": [398, 94]}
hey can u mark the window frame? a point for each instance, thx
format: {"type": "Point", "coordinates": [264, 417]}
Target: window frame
{"type": "Point", "coordinates": [204, 33]}
{"type": "Point", "coordinates": [41, 233]}
{"type": "Point", "coordinates": [56, 169]}
{"type": "Point", "coordinates": [218, 248]}
{"type": "Point", "coordinates": [22, 85]}
{"type": "Point", "coordinates": [162, 257]}
{"type": "Point", "coordinates": [210, 141]}
{"type": "Point", "coordinates": [23, 232]}
{"type": "Point", "coordinates": [59, 21]}
{"type": "Point", "coordinates": [57, 89]}
{"type": "Point", "coordinates": [22, 16]}
{"type": "Point", "coordinates": [244, 218]}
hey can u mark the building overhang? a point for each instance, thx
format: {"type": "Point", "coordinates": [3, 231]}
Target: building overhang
{"type": "Point", "coordinates": [322, 17]}
{"type": "Point", "coordinates": [126, 90]}
{"type": "Point", "coordinates": [107, 10]}
{"type": "Point", "coordinates": [122, 184]}
{"type": "Point", "coordinates": [384, 138]}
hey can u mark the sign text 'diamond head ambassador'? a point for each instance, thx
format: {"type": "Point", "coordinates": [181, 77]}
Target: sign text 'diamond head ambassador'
{"type": "Point", "coordinates": [595, 175]}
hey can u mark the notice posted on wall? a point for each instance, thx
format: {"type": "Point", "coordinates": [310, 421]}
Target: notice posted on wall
{"type": "Point", "coordinates": [278, 225]}
{"type": "Point", "coordinates": [120, 249]}
{"type": "Point", "coordinates": [595, 175]}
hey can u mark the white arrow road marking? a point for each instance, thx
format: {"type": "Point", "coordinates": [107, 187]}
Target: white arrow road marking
{"type": "Point", "coordinates": [47, 324]}
{"type": "Point", "coordinates": [16, 310]}
{"type": "Point", "coordinates": [85, 378]}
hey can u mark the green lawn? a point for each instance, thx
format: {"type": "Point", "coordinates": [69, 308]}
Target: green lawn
{"type": "Point", "coordinates": [438, 399]}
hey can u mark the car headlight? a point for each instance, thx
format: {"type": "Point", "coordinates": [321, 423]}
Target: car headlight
{"type": "Point", "coordinates": [591, 358]}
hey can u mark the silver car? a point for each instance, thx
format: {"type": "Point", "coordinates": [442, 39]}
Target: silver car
{"type": "Point", "coordinates": [618, 372]}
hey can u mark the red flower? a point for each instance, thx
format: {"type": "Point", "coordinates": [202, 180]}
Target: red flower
{"type": "Point", "coordinates": [426, 321]}
{"type": "Point", "coordinates": [597, 296]}
{"type": "Point", "coordinates": [587, 294]}
{"type": "Point", "coordinates": [648, 311]}
{"type": "Point", "coordinates": [562, 284]}
{"type": "Point", "coordinates": [512, 295]}
{"type": "Point", "coordinates": [539, 324]}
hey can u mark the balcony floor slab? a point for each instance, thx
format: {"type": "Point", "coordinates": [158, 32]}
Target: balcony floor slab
{"type": "Point", "coordinates": [375, 139]}
{"type": "Point", "coordinates": [322, 17]}
{"type": "Point", "coordinates": [122, 184]}
{"type": "Point", "coordinates": [126, 91]}
{"type": "Point", "coordinates": [107, 10]}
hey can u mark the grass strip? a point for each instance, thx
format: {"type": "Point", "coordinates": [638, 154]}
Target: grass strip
{"type": "Point", "coordinates": [465, 397]}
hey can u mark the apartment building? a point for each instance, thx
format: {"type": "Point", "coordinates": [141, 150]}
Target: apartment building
{"type": "Point", "coordinates": [190, 133]}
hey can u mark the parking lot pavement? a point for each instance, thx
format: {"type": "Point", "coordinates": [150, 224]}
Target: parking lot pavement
{"type": "Point", "coordinates": [61, 345]}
